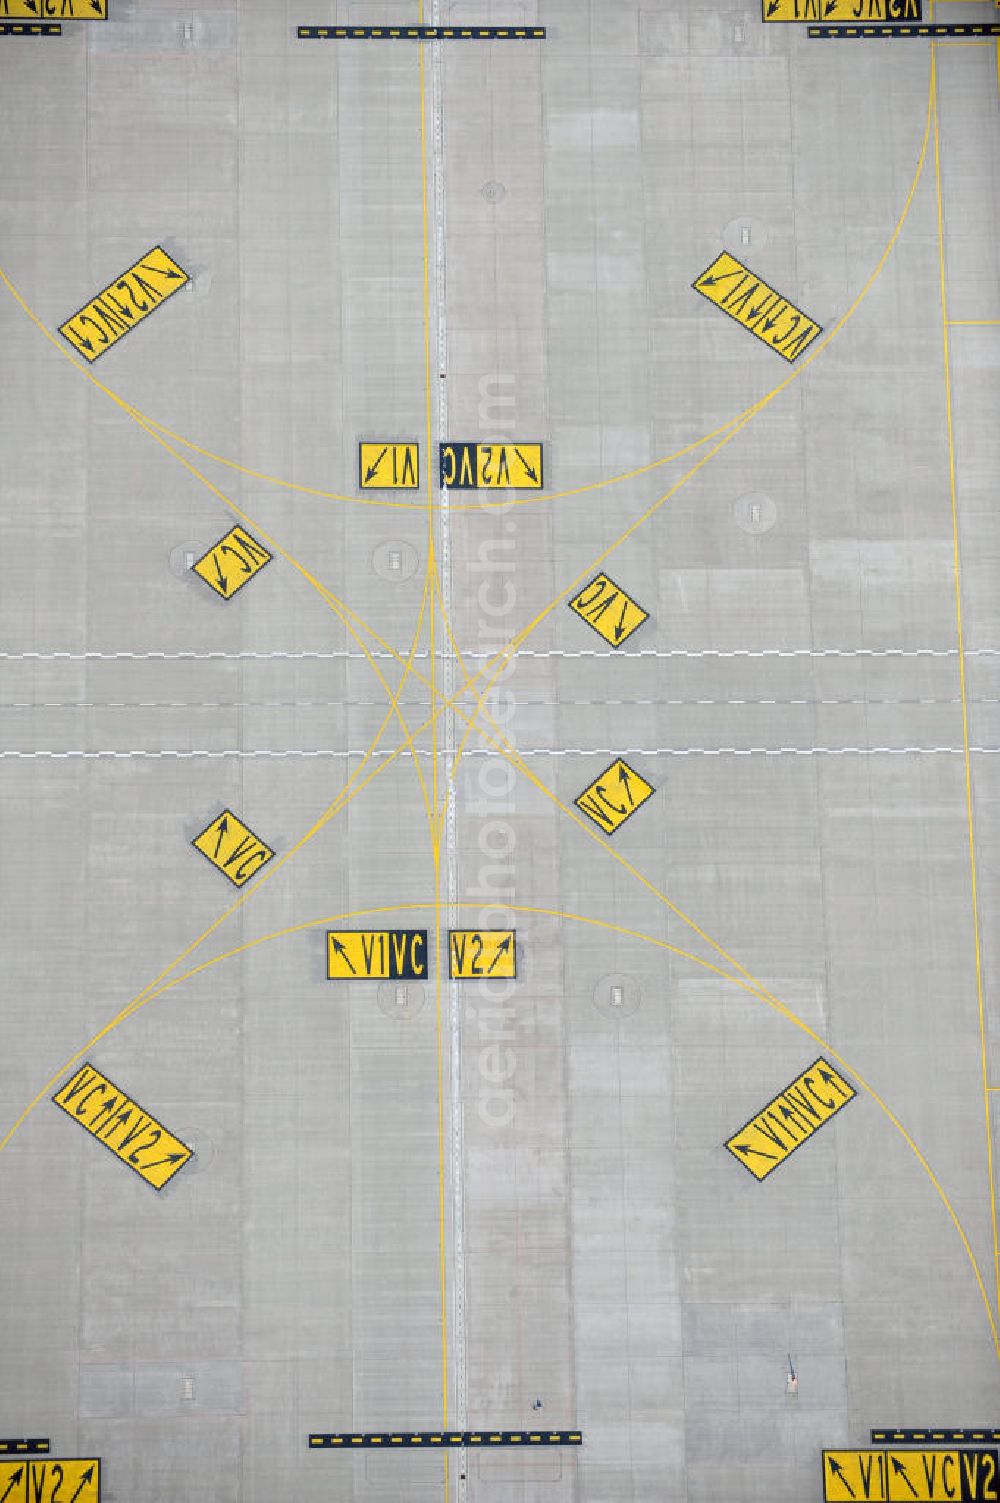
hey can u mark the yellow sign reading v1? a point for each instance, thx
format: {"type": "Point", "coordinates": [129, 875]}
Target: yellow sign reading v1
{"type": "Point", "coordinates": [775, 321]}
{"type": "Point", "coordinates": [790, 1118]}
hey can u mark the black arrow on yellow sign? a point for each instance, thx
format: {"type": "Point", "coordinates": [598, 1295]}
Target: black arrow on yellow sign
{"type": "Point", "coordinates": [502, 949]}
{"type": "Point", "coordinates": [84, 1482]}
{"type": "Point", "coordinates": [372, 469]}
{"type": "Point", "coordinates": [341, 950]}
{"type": "Point", "coordinates": [14, 1480]}
{"type": "Point", "coordinates": [835, 1466]}
{"type": "Point", "coordinates": [901, 1471]}
{"type": "Point", "coordinates": [528, 469]}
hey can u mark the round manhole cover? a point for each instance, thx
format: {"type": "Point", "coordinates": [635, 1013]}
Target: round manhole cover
{"type": "Point", "coordinates": [400, 999]}
{"type": "Point", "coordinates": [617, 997]}
{"type": "Point", "coordinates": [395, 561]}
{"type": "Point", "coordinates": [755, 513]}
{"type": "Point", "coordinates": [493, 192]}
{"type": "Point", "coordinates": [183, 558]}
{"type": "Point", "coordinates": [745, 237]}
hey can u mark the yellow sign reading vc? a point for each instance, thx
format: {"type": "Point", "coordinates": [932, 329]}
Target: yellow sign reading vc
{"type": "Point", "coordinates": [388, 466]}
{"type": "Point", "coordinates": [233, 847]}
{"type": "Point", "coordinates": [614, 797]}
{"type": "Point", "coordinates": [840, 10]}
{"type": "Point", "coordinates": [790, 1118]}
{"type": "Point", "coordinates": [910, 1476]}
{"type": "Point", "coordinates": [51, 1481]}
{"type": "Point", "coordinates": [775, 321]}
{"type": "Point", "coordinates": [232, 562]}
{"type": "Point", "coordinates": [115, 1120]}
{"type": "Point", "coordinates": [505, 467]}
{"type": "Point", "coordinates": [54, 10]}
{"type": "Point", "coordinates": [478, 953]}
{"type": "Point", "coordinates": [606, 607]}
{"type": "Point", "coordinates": [124, 303]}
{"type": "Point", "coordinates": [376, 954]}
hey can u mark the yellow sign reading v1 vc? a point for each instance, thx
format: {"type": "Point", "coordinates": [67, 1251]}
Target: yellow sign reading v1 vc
{"type": "Point", "coordinates": [388, 466]}
{"type": "Point", "coordinates": [232, 562]}
{"type": "Point", "coordinates": [910, 1476]}
{"type": "Point", "coordinates": [790, 1118]}
{"type": "Point", "coordinates": [614, 797]}
{"type": "Point", "coordinates": [479, 953]}
{"type": "Point", "coordinates": [115, 1120]}
{"type": "Point", "coordinates": [51, 1481]}
{"type": "Point", "coordinates": [775, 321]}
{"type": "Point", "coordinates": [233, 847]}
{"type": "Point", "coordinates": [606, 607]}
{"type": "Point", "coordinates": [376, 954]}
{"type": "Point", "coordinates": [54, 10]}
{"type": "Point", "coordinates": [124, 303]}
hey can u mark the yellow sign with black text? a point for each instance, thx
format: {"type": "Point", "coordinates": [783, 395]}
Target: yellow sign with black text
{"type": "Point", "coordinates": [606, 607]}
{"type": "Point", "coordinates": [124, 303]}
{"type": "Point", "coordinates": [504, 467]}
{"type": "Point", "coordinates": [54, 10]}
{"type": "Point", "coordinates": [388, 466]}
{"type": "Point", "coordinates": [51, 1481]}
{"type": "Point", "coordinates": [233, 847]}
{"type": "Point", "coordinates": [910, 1476]}
{"type": "Point", "coordinates": [841, 10]}
{"type": "Point", "coordinates": [775, 321]}
{"type": "Point", "coordinates": [790, 1118]}
{"type": "Point", "coordinates": [376, 954]}
{"type": "Point", "coordinates": [614, 797]}
{"type": "Point", "coordinates": [115, 1120]}
{"type": "Point", "coordinates": [480, 953]}
{"type": "Point", "coordinates": [232, 562]}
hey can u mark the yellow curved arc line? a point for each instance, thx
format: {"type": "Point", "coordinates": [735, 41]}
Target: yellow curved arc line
{"type": "Point", "coordinates": [749, 986]}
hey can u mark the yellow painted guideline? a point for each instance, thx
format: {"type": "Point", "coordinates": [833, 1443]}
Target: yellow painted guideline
{"type": "Point", "coordinates": [605, 606]}
{"type": "Point", "coordinates": [910, 1476]}
{"type": "Point", "coordinates": [482, 953]}
{"type": "Point", "coordinates": [472, 466]}
{"type": "Point", "coordinates": [233, 847]}
{"type": "Point", "coordinates": [614, 797]}
{"type": "Point", "coordinates": [790, 1118]}
{"type": "Point", "coordinates": [775, 321]}
{"type": "Point", "coordinates": [54, 10]}
{"type": "Point", "coordinates": [115, 1120]}
{"type": "Point", "coordinates": [376, 954]}
{"type": "Point", "coordinates": [124, 303]}
{"type": "Point", "coordinates": [388, 466]}
{"type": "Point", "coordinates": [232, 562]}
{"type": "Point", "coordinates": [841, 10]}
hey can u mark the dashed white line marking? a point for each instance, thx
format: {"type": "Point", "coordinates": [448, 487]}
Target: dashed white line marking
{"type": "Point", "coordinates": [524, 652]}
{"type": "Point", "coordinates": [537, 751]}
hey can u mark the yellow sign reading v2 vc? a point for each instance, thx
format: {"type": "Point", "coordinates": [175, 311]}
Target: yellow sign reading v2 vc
{"type": "Point", "coordinates": [735, 289]}
{"type": "Point", "coordinates": [233, 847]}
{"type": "Point", "coordinates": [606, 607]}
{"type": "Point", "coordinates": [388, 466]}
{"type": "Point", "coordinates": [910, 1476]}
{"type": "Point", "coordinates": [232, 562]}
{"type": "Point", "coordinates": [476, 953]}
{"type": "Point", "coordinates": [376, 954]}
{"type": "Point", "coordinates": [614, 797]}
{"type": "Point", "coordinates": [124, 303]}
{"type": "Point", "coordinates": [505, 467]}
{"type": "Point", "coordinates": [118, 1122]}
{"type": "Point", "coordinates": [53, 10]}
{"type": "Point", "coordinates": [790, 1118]}
{"type": "Point", "coordinates": [51, 1481]}
{"type": "Point", "coordinates": [841, 10]}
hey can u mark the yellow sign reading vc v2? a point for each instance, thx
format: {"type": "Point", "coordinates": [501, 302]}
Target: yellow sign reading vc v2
{"type": "Point", "coordinates": [115, 1120]}
{"type": "Point", "coordinates": [504, 467]}
{"type": "Point", "coordinates": [124, 303]}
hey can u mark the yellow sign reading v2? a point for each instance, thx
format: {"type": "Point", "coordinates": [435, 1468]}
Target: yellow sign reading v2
{"type": "Point", "coordinates": [232, 562]}
{"type": "Point", "coordinates": [376, 954]}
{"type": "Point", "coordinates": [479, 953]}
{"type": "Point", "coordinates": [735, 289]}
{"type": "Point", "coordinates": [233, 847]}
{"type": "Point", "coordinates": [910, 1476]}
{"type": "Point", "coordinates": [790, 1118]}
{"type": "Point", "coordinates": [51, 1481]}
{"type": "Point", "coordinates": [606, 607]}
{"type": "Point", "coordinates": [118, 1122]}
{"type": "Point", "coordinates": [505, 467]}
{"type": "Point", "coordinates": [614, 797]}
{"type": "Point", "coordinates": [124, 303]}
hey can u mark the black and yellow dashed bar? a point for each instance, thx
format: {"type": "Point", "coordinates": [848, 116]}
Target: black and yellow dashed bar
{"type": "Point", "coordinates": [30, 29]}
{"type": "Point", "coordinates": [422, 33]}
{"type": "Point", "coordinates": [935, 1437]}
{"type": "Point", "coordinates": [400, 1439]}
{"type": "Point", "coordinates": [880, 33]}
{"type": "Point", "coordinates": [23, 1447]}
